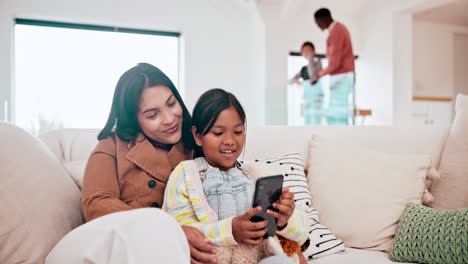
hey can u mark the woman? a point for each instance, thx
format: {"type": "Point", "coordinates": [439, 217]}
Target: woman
{"type": "Point", "coordinates": [147, 134]}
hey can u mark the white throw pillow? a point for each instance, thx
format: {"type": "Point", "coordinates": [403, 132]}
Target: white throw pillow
{"type": "Point", "coordinates": [40, 203]}
{"type": "Point", "coordinates": [360, 194]}
{"type": "Point", "coordinates": [451, 191]}
{"type": "Point", "coordinates": [322, 241]}
{"type": "Point", "coordinates": [145, 235]}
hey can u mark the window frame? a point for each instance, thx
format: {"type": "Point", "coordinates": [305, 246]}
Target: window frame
{"type": "Point", "coordinates": [46, 23]}
{"type": "Point", "coordinates": [10, 103]}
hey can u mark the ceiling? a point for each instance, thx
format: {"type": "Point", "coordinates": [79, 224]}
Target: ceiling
{"type": "Point", "coordinates": [454, 13]}
{"type": "Point", "coordinates": [345, 7]}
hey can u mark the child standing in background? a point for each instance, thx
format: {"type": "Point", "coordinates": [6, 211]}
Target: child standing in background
{"type": "Point", "coordinates": [313, 92]}
{"type": "Point", "coordinates": [214, 192]}
{"type": "Point", "coordinates": [311, 71]}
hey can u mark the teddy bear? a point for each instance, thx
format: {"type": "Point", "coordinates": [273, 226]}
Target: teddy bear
{"type": "Point", "coordinates": [273, 245]}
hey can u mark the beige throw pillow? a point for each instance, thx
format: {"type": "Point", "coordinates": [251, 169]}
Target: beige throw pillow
{"type": "Point", "coordinates": [360, 194]}
{"type": "Point", "coordinates": [40, 202]}
{"type": "Point", "coordinates": [451, 191]}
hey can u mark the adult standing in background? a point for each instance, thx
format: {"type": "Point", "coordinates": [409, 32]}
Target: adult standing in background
{"type": "Point", "coordinates": [340, 67]}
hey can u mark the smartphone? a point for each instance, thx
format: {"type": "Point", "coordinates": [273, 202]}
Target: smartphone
{"type": "Point", "coordinates": [267, 191]}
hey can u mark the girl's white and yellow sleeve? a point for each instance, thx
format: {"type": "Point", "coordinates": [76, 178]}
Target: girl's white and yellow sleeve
{"type": "Point", "coordinates": [296, 228]}
{"type": "Point", "coordinates": [187, 208]}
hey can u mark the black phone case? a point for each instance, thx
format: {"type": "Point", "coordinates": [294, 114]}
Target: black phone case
{"type": "Point", "coordinates": [267, 191]}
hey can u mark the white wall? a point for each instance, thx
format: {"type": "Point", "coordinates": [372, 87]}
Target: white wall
{"type": "Point", "coordinates": [387, 58]}
{"type": "Point", "coordinates": [434, 58]}
{"type": "Point", "coordinates": [403, 58]}
{"type": "Point", "coordinates": [275, 66]}
{"type": "Point", "coordinates": [256, 68]}
{"type": "Point", "coordinates": [374, 86]}
{"type": "Point", "coordinates": [402, 69]}
{"type": "Point", "coordinates": [217, 37]}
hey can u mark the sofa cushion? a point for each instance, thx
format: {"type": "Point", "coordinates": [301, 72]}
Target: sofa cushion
{"type": "Point", "coordinates": [451, 191]}
{"type": "Point", "coordinates": [76, 170]}
{"type": "Point", "coordinates": [273, 141]}
{"type": "Point", "coordinates": [322, 241]}
{"type": "Point", "coordinates": [360, 194]}
{"type": "Point", "coordinates": [432, 236]}
{"type": "Point", "coordinates": [72, 147]}
{"type": "Point", "coordinates": [356, 256]}
{"type": "Point", "coordinates": [71, 144]}
{"type": "Point", "coordinates": [40, 203]}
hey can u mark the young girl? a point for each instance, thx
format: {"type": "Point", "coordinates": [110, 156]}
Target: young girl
{"type": "Point", "coordinates": [214, 192]}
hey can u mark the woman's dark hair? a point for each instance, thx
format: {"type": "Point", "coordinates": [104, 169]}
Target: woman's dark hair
{"type": "Point", "coordinates": [210, 105]}
{"type": "Point", "coordinates": [123, 114]}
{"type": "Point", "coordinates": [322, 13]}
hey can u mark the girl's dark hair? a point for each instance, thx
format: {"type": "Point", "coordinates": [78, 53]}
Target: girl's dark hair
{"type": "Point", "coordinates": [123, 114]}
{"type": "Point", "coordinates": [210, 105]}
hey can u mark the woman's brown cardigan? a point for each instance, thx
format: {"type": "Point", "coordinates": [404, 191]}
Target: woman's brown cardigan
{"type": "Point", "coordinates": [122, 176]}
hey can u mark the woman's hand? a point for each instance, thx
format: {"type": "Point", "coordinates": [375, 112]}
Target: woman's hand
{"type": "Point", "coordinates": [285, 205]}
{"type": "Point", "coordinates": [201, 249]}
{"type": "Point", "coordinates": [246, 231]}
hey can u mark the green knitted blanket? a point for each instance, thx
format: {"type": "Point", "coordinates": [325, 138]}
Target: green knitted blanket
{"type": "Point", "coordinates": [427, 235]}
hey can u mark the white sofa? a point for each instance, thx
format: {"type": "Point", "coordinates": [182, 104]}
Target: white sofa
{"type": "Point", "coordinates": [71, 148]}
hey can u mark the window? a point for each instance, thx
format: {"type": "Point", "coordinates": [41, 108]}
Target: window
{"type": "Point", "coordinates": [65, 74]}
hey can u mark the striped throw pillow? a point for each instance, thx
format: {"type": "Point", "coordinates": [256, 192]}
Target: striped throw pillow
{"type": "Point", "coordinates": [291, 166]}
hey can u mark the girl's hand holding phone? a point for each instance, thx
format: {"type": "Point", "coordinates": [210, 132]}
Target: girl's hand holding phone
{"type": "Point", "coordinates": [286, 206]}
{"type": "Point", "coordinates": [246, 231]}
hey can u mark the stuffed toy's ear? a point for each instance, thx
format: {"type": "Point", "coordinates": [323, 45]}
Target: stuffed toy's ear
{"type": "Point", "coordinates": [289, 247]}
{"type": "Point", "coordinates": [275, 247]}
